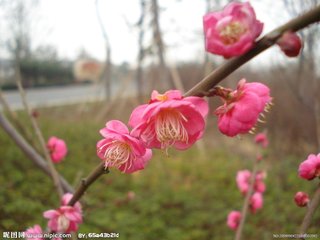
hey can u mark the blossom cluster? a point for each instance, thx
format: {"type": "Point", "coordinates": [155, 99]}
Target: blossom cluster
{"type": "Point", "coordinates": [309, 169]}
{"type": "Point", "coordinates": [173, 120]}
{"type": "Point", "coordinates": [244, 180]}
{"type": "Point", "coordinates": [233, 32]}
{"type": "Point", "coordinates": [65, 219]}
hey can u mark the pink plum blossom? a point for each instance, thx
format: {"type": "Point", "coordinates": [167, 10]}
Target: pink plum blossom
{"type": "Point", "coordinates": [66, 218]}
{"type": "Point", "coordinates": [243, 181]}
{"type": "Point", "coordinates": [259, 185]}
{"type": "Point", "coordinates": [232, 31]}
{"type": "Point", "coordinates": [261, 139]}
{"type": "Point", "coordinates": [290, 43]}
{"type": "Point", "coordinates": [34, 233]}
{"type": "Point", "coordinates": [256, 202]}
{"type": "Point", "coordinates": [57, 148]}
{"type": "Point", "coordinates": [170, 120]}
{"type": "Point", "coordinates": [301, 199]}
{"type": "Point", "coordinates": [66, 199]}
{"type": "Point", "coordinates": [242, 108]}
{"type": "Point", "coordinates": [310, 168]}
{"type": "Point", "coordinates": [121, 149]}
{"type": "Point", "coordinates": [233, 220]}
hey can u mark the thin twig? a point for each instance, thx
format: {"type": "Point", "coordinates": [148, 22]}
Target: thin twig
{"type": "Point", "coordinates": [86, 182]}
{"type": "Point", "coordinates": [311, 210]}
{"type": "Point", "coordinates": [246, 202]}
{"type": "Point", "coordinates": [54, 173]}
{"type": "Point", "coordinates": [13, 117]}
{"type": "Point", "coordinates": [29, 150]}
{"type": "Point", "coordinates": [264, 43]}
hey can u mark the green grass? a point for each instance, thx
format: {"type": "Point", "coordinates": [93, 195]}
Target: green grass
{"type": "Point", "coordinates": [184, 196]}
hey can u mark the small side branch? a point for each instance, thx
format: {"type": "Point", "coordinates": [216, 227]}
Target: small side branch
{"type": "Point", "coordinates": [246, 203]}
{"type": "Point", "coordinates": [29, 150]}
{"type": "Point", "coordinates": [311, 210]}
{"type": "Point", "coordinates": [53, 172]}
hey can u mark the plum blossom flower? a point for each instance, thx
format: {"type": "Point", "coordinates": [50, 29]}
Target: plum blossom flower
{"type": "Point", "coordinates": [232, 31]}
{"type": "Point", "coordinates": [170, 120]}
{"type": "Point", "coordinates": [301, 199]}
{"type": "Point", "coordinates": [66, 218]}
{"type": "Point", "coordinates": [290, 43]}
{"type": "Point", "coordinates": [243, 181]}
{"type": "Point", "coordinates": [121, 149]}
{"type": "Point", "coordinates": [242, 108]}
{"type": "Point", "coordinates": [57, 148]}
{"type": "Point", "coordinates": [34, 233]}
{"type": "Point", "coordinates": [256, 202]}
{"type": "Point", "coordinates": [310, 168]}
{"type": "Point", "coordinates": [233, 219]}
{"type": "Point", "coordinates": [66, 199]}
{"type": "Point", "coordinates": [261, 139]}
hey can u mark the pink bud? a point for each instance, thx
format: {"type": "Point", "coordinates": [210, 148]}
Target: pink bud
{"type": "Point", "coordinates": [131, 195]}
{"type": "Point", "coordinates": [256, 202]}
{"type": "Point", "coordinates": [262, 140]}
{"type": "Point", "coordinates": [310, 168]}
{"type": "Point", "coordinates": [58, 149]}
{"type": "Point", "coordinates": [290, 43]}
{"type": "Point", "coordinates": [301, 199]}
{"type": "Point", "coordinates": [35, 113]}
{"type": "Point", "coordinates": [233, 220]}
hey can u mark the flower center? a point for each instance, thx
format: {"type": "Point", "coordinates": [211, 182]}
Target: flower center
{"type": "Point", "coordinates": [116, 153]}
{"type": "Point", "coordinates": [169, 127]}
{"type": "Point", "coordinates": [162, 97]}
{"type": "Point", "coordinates": [232, 32]}
{"type": "Point", "coordinates": [63, 223]}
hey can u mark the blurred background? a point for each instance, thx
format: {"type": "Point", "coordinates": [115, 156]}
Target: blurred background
{"type": "Point", "coordinates": [91, 61]}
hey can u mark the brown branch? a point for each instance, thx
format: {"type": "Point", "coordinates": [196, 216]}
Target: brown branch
{"type": "Point", "coordinates": [54, 174]}
{"type": "Point", "coordinates": [14, 119]}
{"type": "Point", "coordinates": [311, 210]}
{"type": "Point", "coordinates": [86, 182]}
{"type": "Point", "coordinates": [246, 202]}
{"type": "Point", "coordinates": [29, 150]}
{"type": "Point", "coordinates": [218, 75]}
{"type": "Point", "coordinates": [264, 43]}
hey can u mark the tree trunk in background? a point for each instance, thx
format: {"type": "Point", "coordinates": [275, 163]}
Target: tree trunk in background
{"type": "Point", "coordinates": [163, 78]}
{"type": "Point", "coordinates": [107, 75]}
{"type": "Point", "coordinates": [307, 93]}
{"type": "Point", "coordinates": [139, 71]}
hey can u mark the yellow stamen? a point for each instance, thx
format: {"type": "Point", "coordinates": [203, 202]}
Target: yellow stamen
{"type": "Point", "coordinates": [162, 97]}
{"type": "Point", "coordinates": [169, 127]}
{"type": "Point", "coordinates": [232, 32]}
{"type": "Point", "coordinates": [116, 154]}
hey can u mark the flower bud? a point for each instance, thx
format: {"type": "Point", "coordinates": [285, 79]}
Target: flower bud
{"type": "Point", "coordinates": [290, 43]}
{"type": "Point", "coordinates": [301, 199]}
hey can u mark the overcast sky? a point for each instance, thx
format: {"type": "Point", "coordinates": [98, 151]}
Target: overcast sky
{"type": "Point", "coordinates": [72, 24]}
